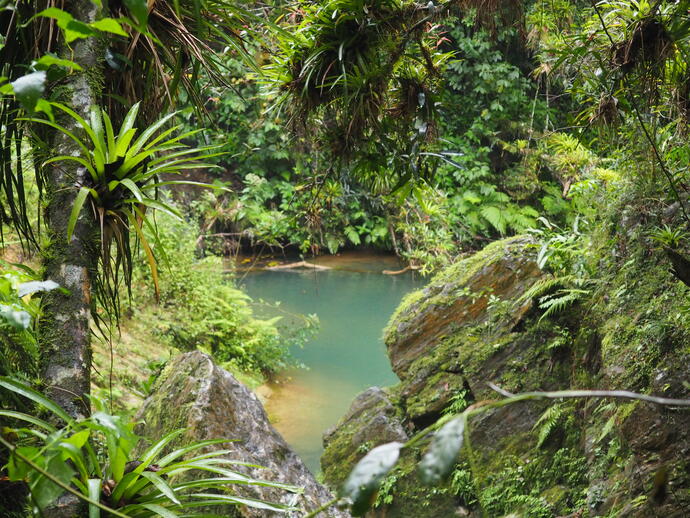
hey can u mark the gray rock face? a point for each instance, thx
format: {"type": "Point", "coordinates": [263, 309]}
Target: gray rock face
{"type": "Point", "coordinates": [195, 394]}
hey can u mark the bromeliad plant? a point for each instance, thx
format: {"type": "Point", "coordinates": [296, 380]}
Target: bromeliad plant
{"type": "Point", "coordinates": [92, 459]}
{"type": "Point", "coordinates": [122, 180]}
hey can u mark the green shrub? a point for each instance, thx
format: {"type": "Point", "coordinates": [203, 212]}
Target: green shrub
{"type": "Point", "coordinates": [201, 308]}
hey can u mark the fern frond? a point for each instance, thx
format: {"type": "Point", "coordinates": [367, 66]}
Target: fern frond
{"type": "Point", "coordinates": [548, 422]}
{"type": "Point", "coordinates": [544, 286]}
{"type": "Point", "coordinates": [554, 304]}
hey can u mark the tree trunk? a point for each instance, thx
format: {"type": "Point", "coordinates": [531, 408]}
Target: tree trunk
{"type": "Point", "coordinates": [64, 332]}
{"type": "Point", "coordinates": [65, 327]}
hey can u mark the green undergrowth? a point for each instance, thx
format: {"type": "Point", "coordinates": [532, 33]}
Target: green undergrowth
{"type": "Point", "coordinates": [199, 308]}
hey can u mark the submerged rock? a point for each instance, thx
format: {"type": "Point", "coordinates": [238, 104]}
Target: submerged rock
{"type": "Point", "coordinates": [579, 457]}
{"type": "Point", "coordinates": [209, 403]}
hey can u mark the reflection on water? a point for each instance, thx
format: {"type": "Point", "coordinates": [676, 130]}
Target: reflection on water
{"type": "Point", "coordinates": [345, 357]}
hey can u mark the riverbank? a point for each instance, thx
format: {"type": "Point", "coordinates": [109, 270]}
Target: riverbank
{"type": "Point", "coordinates": [138, 352]}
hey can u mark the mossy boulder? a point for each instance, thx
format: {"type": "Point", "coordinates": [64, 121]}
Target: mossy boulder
{"type": "Point", "coordinates": [371, 420]}
{"type": "Point", "coordinates": [461, 296]}
{"type": "Point", "coordinates": [209, 403]}
{"type": "Point", "coordinates": [470, 326]}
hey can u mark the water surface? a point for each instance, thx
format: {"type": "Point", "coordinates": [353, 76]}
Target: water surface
{"type": "Point", "coordinates": [353, 302]}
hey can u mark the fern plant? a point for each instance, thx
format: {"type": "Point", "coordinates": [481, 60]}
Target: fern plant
{"type": "Point", "coordinates": [548, 422]}
{"type": "Point", "coordinates": [19, 310]}
{"type": "Point", "coordinates": [92, 458]}
{"type": "Point", "coordinates": [555, 294]}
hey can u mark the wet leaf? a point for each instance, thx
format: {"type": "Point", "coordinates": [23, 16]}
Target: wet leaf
{"type": "Point", "coordinates": [443, 451]}
{"type": "Point", "coordinates": [73, 29]}
{"type": "Point", "coordinates": [16, 318]}
{"type": "Point", "coordinates": [29, 89]}
{"type": "Point", "coordinates": [29, 288]}
{"type": "Point", "coordinates": [364, 480]}
{"type": "Point", "coordinates": [109, 25]}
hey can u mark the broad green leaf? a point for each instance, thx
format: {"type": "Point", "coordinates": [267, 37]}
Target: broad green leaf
{"type": "Point", "coordinates": [18, 469]}
{"type": "Point", "coordinates": [31, 287]}
{"type": "Point", "coordinates": [79, 438]}
{"type": "Point", "coordinates": [43, 106]}
{"type": "Point", "coordinates": [98, 131]}
{"type": "Point", "coordinates": [61, 129]}
{"type": "Point", "coordinates": [239, 479]}
{"type": "Point", "coordinates": [132, 188]}
{"type": "Point", "coordinates": [29, 419]}
{"type": "Point", "coordinates": [74, 454]}
{"type": "Point", "coordinates": [76, 209]}
{"type": "Point", "coordinates": [87, 165]}
{"type": "Point", "coordinates": [157, 205]}
{"type": "Point", "coordinates": [29, 89]}
{"type": "Point", "coordinates": [249, 502]}
{"type": "Point", "coordinates": [182, 451]}
{"type": "Point", "coordinates": [139, 143]}
{"type": "Point", "coordinates": [110, 137]}
{"type": "Point", "coordinates": [443, 451]}
{"type": "Point", "coordinates": [21, 388]}
{"type": "Point", "coordinates": [161, 485]}
{"type": "Point", "coordinates": [123, 142]}
{"type": "Point", "coordinates": [15, 317]}
{"type": "Point", "coordinates": [151, 453]}
{"type": "Point", "coordinates": [186, 182]}
{"type": "Point", "coordinates": [123, 484]}
{"type": "Point", "coordinates": [85, 126]}
{"type": "Point", "coordinates": [49, 60]}
{"type": "Point", "coordinates": [128, 123]}
{"type": "Point", "coordinates": [109, 25]}
{"type": "Point", "coordinates": [160, 510]}
{"type": "Point", "coordinates": [73, 29]}
{"type": "Point", "coordinates": [139, 10]}
{"type": "Point", "coordinates": [366, 477]}
{"type": "Point", "coordinates": [44, 491]}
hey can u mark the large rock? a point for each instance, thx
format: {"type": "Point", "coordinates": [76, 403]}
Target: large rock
{"type": "Point", "coordinates": [209, 403]}
{"type": "Point", "coordinates": [461, 296]}
{"type": "Point", "coordinates": [579, 457]}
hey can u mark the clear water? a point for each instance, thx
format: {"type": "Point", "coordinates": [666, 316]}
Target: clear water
{"type": "Point", "coordinates": [345, 357]}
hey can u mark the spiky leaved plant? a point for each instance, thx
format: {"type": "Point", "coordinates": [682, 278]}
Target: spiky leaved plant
{"type": "Point", "coordinates": [93, 459]}
{"type": "Point", "coordinates": [120, 187]}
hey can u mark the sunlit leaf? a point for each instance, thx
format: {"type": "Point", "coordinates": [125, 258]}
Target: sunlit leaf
{"type": "Point", "coordinates": [139, 10]}
{"type": "Point", "coordinates": [31, 287]}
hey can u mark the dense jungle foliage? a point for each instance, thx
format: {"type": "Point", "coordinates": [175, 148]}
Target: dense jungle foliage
{"type": "Point", "coordinates": [143, 143]}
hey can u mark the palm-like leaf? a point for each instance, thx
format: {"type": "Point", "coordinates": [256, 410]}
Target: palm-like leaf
{"type": "Point", "coordinates": [123, 182]}
{"type": "Point", "coordinates": [146, 490]}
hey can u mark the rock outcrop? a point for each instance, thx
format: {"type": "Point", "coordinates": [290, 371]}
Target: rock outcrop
{"type": "Point", "coordinates": [575, 458]}
{"type": "Point", "coordinates": [209, 403]}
